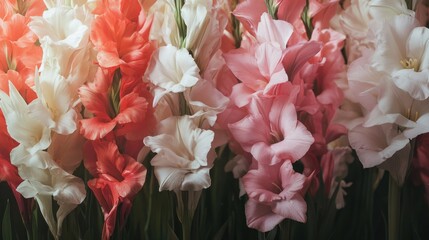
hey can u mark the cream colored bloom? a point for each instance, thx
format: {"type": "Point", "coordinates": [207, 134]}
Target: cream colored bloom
{"type": "Point", "coordinates": [54, 106]}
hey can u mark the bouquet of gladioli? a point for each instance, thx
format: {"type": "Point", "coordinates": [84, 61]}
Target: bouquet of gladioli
{"type": "Point", "coordinates": [214, 119]}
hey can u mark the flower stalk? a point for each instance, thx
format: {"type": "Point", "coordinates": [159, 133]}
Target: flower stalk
{"type": "Point", "coordinates": [394, 209]}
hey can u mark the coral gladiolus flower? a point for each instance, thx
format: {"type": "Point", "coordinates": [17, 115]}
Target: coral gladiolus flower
{"type": "Point", "coordinates": [129, 107]}
{"type": "Point", "coordinates": [122, 43]}
{"type": "Point", "coordinates": [118, 178]}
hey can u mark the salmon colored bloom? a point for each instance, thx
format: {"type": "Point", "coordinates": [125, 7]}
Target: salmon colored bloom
{"type": "Point", "coordinates": [122, 42]}
{"type": "Point", "coordinates": [21, 60]}
{"type": "Point", "coordinates": [13, 76]}
{"type": "Point", "coordinates": [23, 7]}
{"type": "Point", "coordinates": [16, 31]}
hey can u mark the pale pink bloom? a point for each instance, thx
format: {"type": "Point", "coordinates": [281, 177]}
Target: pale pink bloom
{"type": "Point", "coordinates": [258, 73]}
{"type": "Point", "coordinates": [276, 32]}
{"type": "Point", "coordinates": [335, 168]}
{"type": "Point", "coordinates": [339, 198]}
{"type": "Point", "coordinates": [322, 11]}
{"type": "Point", "coordinates": [184, 154]}
{"type": "Point", "coordinates": [271, 131]}
{"type": "Point", "coordinates": [220, 74]}
{"type": "Point", "coordinates": [67, 150]}
{"type": "Point", "coordinates": [270, 64]}
{"type": "Point", "coordinates": [238, 165]}
{"type": "Point", "coordinates": [275, 193]}
{"type": "Point", "coordinates": [205, 101]}
{"type": "Point", "coordinates": [249, 13]}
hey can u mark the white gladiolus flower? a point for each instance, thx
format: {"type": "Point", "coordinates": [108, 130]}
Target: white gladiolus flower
{"type": "Point", "coordinates": [172, 70]}
{"type": "Point", "coordinates": [205, 27]}
{"type": "Point", "coordinates": [45, 183]}
{"type": "Point", "coordinates": [391, 85]}
{"type": "Point", "coordinates": [64, 36]}
{"type": "Point", "coordinates": [32, 134]}
{"type": "Point", "coordinates": [54, 105]}
{"type": "Point", "coordinates": [403, 53]}
{"type": "Point", "coordinates": [184, 155]}
{"type": "Point", "coordinates": [164, 27]}
{"type": "Point", "coordinates": [71, 3]}
{"type": "Point", "coordinates": [43, 177]}
{"type": "Point", "coordinates": [360, 16]}
{"type": "Point", "coordinates": [63, 26]}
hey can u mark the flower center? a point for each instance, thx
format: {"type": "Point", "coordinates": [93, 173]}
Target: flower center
{"type": "Point", "coordinates": [278, 188]}
{"type": "Point", "coordinates": [275, 137]}
{"type": "Point", "coordinates": [410, 63]}
{"type": "Point", "coordinates": [413, 116]}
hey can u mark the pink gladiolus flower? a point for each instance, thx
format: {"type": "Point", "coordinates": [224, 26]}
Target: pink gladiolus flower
{"type": "Point", "coordinates": [249, 13]}
{"type": "Point", "coordinates": [118, 178]}
{"type": "Point", "coordinates": [276, 193]}
{"type": "Point", "coordinates": [271, 131]}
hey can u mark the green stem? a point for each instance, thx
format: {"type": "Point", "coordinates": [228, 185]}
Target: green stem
{"type": "Point", "coordinates": [187, 218]}
{"type": "Point", "coordinates": [285, 229]}
{"type": "Point", "coordinates": [149, 209]}
{"type": "Point", "coordinates": [179, 21]}
{"type": "Point", "coordinates": [184, 107]}
{"type": "Point", "coordinates": [236, 28]}
{"type": "Point", "coordinates": [409, 4]}
{"type": "Point", "coordinates": [394, 209]}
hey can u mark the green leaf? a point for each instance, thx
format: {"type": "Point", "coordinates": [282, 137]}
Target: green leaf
{"type": "Point", "coordinates": [272, 234]}
{"type": "Point", "coordinates": [6, 224]}
{"type": "Point", "coordinates": [221, 232]}
{"type": "Point", "coordinates": [171, 234]}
